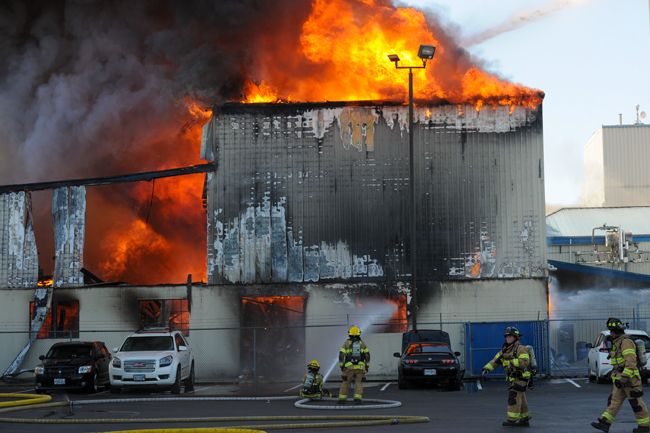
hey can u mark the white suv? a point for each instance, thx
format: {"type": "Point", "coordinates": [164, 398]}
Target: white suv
{"type": "Point", "coordinates": [598, 358]}
{"type": "Point", "coordinates": [159, 358]}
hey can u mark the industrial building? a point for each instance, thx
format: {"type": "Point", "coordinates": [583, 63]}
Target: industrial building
{"type": "Point", "coordinates": [308, 233]}
{"type": "Point", "coordinates": [599, 262]}
{"type": "Point", "coordinates": [616, 161]}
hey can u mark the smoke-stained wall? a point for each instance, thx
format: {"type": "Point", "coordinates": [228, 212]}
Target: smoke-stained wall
{"type": "Point", "coordinates": [69, 214]}
{"type": "Point", "coordinates": [311, 192]}
{"type": "Point", "coordinates": [18, 253]}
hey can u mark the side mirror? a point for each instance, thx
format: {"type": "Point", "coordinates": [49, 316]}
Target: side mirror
{"type": "Point", "coordinates": [42, 357]}
{"type": "Point", "coordinates": [397, 355]}
{"type": "Point", "coordinates": [116, 349]}
{"type": "Point", "coordinates": [457, 353]}
{"type": "Point", "coordinates": [182, 348]}
{"type": "Point", "coordinates": [589, 346]}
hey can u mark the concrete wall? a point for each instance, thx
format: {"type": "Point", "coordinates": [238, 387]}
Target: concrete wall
{"type": "Point", "coordinates": [110, 314]}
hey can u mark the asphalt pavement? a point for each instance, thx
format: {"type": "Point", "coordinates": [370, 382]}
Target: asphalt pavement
{"type": "Point", "coordinates": [557, 405]}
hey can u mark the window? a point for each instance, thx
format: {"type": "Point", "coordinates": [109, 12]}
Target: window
{"type": "Point", "coordinates": [173, 313]}
{"type": "Point", "coordinates": [148, 344]}
{"type": "Point", "coordinates": [62, 321]}
{"type": "Point", "coordinates": [179, 341]}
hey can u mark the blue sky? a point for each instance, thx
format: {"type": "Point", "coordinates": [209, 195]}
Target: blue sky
{"type": "Point", "coordinates": [592, 60]}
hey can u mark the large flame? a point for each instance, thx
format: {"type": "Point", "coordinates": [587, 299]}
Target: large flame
{"type": "Point", "coordinates": [342, 56]}
{"type": "Point", "coordinates": [163, 240]}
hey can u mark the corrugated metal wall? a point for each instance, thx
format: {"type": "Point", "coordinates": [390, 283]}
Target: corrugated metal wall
{"type": "Point", "coordinates": [18, 254]}
{"type": "Point", "coordinates": [626, 154]}
{"type": "Point", "coordinates": [309, 192]}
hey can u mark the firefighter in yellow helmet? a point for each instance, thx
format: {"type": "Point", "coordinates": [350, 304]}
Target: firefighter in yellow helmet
{"type": "Point", "coordinates": [515, 359]}
{"type": "Point", "coordinates": [626, 380]}
{"type": "Point", "coordinates": [354, 360]}
{"type": "Point", "coordinates": [312, 381]}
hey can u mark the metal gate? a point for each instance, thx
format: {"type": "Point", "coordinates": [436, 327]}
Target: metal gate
{"type": "Point", "coordinates": [484, 340]}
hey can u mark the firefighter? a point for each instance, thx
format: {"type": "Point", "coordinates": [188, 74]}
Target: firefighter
{"type": "Point", "coordinates": [354, 360]}
{"type": "Point", "coordinates": [626, 380]}
{"type": "Point", "coordinates": [515, 359]}
{"type": "Point", "coordinates": [312, 381]}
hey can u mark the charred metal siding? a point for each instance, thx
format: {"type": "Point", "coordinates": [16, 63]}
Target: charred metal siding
{"type": "Point", "coordinates": [311, 192]}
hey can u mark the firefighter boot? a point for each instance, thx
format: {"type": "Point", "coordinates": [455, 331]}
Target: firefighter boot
{"type": "Point", "coordinates": [641, 429]}
{"type": "Point", "coordinates": [508, 423]}
{"type": "Point", "coordinates": [524, 422]}
{"type": "Point", "coordinates": [601, 425]}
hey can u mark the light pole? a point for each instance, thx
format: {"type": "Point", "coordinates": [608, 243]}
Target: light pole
{"type": "Point", "coordinates": [425, 53]}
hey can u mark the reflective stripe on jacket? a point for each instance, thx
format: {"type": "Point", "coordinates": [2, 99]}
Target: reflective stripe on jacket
{"type": "Point", "coordinates": [345, 353]}
{"type": "Point", "coordinates": [514, 359]}
{"type": "Point", "coordinates": [623, 358]}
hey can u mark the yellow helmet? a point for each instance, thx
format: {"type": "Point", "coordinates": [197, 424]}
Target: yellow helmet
{"type": "Point", "coordinates": [313, 364]}
{"type": "Point", "coordinates": [354, 331]}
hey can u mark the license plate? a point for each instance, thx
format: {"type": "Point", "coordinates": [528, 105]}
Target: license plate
{"type": "Point", "coordinates": [58, 381]}
{"type": "Point", "coordinates": [138, 377]}
{"type": "Point", "coordinates": [430, 372]}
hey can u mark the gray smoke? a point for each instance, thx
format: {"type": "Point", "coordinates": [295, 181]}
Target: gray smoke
{"type": "Point", "coordinates": [90, 87]}
{"type": "Point", "coordinates": [520, 19]}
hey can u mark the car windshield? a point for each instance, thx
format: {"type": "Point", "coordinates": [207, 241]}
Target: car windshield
{"type": "Point", "coordinates": [68, 352]}
{"type": "Point", "coordinates": [147, 344]}
{"type": "Point", "coordinates": [427, 348]}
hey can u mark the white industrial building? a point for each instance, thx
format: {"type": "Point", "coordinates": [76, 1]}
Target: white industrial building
{"type": "Point", "coordinates": [616, 160]}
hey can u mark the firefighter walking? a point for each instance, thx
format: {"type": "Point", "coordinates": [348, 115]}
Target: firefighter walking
{"type": "Point", "coordinates": [626, 380]}
{"type": "Point", "coordinates": [354, 360]}
{"type": "Point", "coordinates": [515, 359]}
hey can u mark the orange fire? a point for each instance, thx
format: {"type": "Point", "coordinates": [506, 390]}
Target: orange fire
{"type": "Point", "coordinates": [164, 239]}
{"type": "Point", "coordinates": [342, 56]}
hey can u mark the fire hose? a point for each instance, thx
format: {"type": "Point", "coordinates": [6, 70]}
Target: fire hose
{"type": "Point", "coordinates": [305, 422]}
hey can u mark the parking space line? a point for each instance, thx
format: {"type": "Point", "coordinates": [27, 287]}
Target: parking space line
{"type": "Point", "coordinates": [383, 388]}
{"type": "Point", "coordinates": [573, 383]}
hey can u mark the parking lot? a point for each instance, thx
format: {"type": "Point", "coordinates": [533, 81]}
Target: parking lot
{"type": "Point", "coordinates": [558, 405]}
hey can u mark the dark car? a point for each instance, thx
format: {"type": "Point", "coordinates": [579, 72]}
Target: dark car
{"type": "Point", "coordinates": [427, 358]}
{"type": "Point", "coordinates": [73, 365]}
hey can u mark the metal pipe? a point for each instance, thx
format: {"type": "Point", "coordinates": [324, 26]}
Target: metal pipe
{"type": "Point", "coordinates": [413, 255]}
{"type": "Point", "coordinates": [132, 177]}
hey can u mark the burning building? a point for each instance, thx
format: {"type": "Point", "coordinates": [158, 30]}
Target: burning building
{"type": "Point", "coordinates": [306, 205]}
{"type": "Point", "coordinates": [312, 200]}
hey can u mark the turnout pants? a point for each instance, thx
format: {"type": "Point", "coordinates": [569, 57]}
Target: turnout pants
{"type": "Point", "coordinates": [350, 375]}
{"type": "Point", "coordinates": [631, 393]}
{"type": "Point", "coordinates": [517, 403]}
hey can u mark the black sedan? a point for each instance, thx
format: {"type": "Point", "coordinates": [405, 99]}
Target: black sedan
{"type": "Point", "coordinates": [73, 365]}
{"type": "Point", "coordinates": [429, 362]}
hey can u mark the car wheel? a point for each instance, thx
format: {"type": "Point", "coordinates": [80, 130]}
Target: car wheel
{"type": "Point", "coordinates": [592, 377]}
{"type": "Point", "coordinates": [92, 386]}
{"type": "Point", "coordinates": [189, 382]}
{"type": "Point", "coordinates": [176, 387]}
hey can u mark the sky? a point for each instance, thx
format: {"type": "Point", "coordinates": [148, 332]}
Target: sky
{"type": "Point", "coordinates": [592, 60]}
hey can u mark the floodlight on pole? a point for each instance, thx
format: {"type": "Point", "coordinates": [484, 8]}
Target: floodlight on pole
{"type": "Point", "coordinates": [426, 52]}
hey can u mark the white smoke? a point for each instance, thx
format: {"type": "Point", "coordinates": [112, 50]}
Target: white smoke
{"type": "Point", "coordinates": [522, 18]}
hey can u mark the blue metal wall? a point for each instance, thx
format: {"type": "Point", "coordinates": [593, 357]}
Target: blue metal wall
{"type": "Point", "coordinates": [484, 340]}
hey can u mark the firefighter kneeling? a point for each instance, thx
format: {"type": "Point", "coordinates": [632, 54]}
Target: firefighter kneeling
{"type": "Point", "coordinates": [312, 382]}
{"type": "Point", "coordinates": [515, 360]}
{"type": "Point", "coordinates": [354, 360]}
{"type": "Point", "coordinates": [626, 380]}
